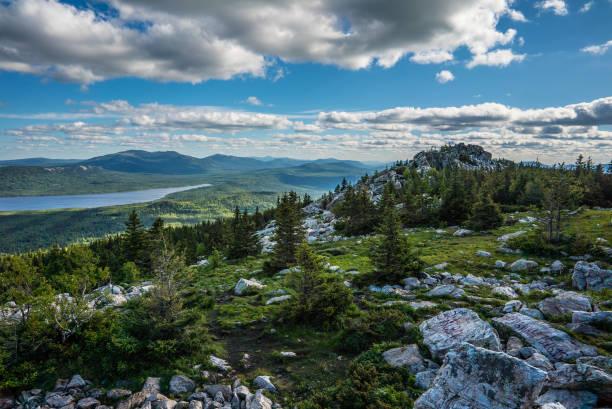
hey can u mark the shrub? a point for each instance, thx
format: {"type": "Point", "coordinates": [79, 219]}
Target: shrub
{"type": "Point", "coordinates": [369, 328]}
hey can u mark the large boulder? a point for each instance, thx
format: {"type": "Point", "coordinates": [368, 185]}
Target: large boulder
{"type": "Point", "coordinates": [180, 384]}
{"type": "Point", "coordinates": [408, 356]}
{"type": "Point", "coordinates": [554, 344]}
{"type": "Point", "coordinates": [264, 382]}
{"type": "Point", "coordinates": [568, 399]}
{"type": "Point", "coordinates": [592, 318]}
{"type": "Point", "coordinates": [565, 303]}
{"type": "Point", "coordinates": [477, 378]}
{"type": "Point", "coordinates": [589, 276]}
{"type": "Point", "coordinates": [449, 329]}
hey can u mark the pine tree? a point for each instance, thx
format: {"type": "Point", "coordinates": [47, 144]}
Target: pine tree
{"type": "Point", "coordinates": [392, 255]}
{"type": "Point", "coordinates": [289, 233]}
{"type": "Point", "coordinates": [485, 214]}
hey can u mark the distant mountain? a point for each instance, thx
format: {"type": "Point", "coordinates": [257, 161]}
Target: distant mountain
{"type": "Point", "coordinates": [174, 163]}
{"type": "Point", "coordinates": [38, 162]}
{"type": "Point", "coordinates": [136, 161]}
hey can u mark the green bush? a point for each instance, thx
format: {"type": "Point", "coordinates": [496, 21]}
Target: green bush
{"type": "Point", "coordinates": [534, 243]}
{"type": "Point", "coordinates": [370, 327]}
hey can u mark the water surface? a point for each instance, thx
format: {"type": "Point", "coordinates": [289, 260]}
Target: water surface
{"type": "Point", "coordinates": [88, 201]}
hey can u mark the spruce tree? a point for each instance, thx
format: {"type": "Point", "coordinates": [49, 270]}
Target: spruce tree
{"type": "Point", "coordinates": [135, 240]}
{"type": "Point", "coordinates": [392, 255]}
{"type": "Point", "coordinates": [289, 232]}
{"type": "Point", "coordinates": [485, 214]}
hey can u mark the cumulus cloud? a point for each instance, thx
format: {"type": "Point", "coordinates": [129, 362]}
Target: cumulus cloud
{"type": "Point", "coordinates": [444, 76]}
{"type": "Point", "coordinates": [497, 58]}
{"type": "Point", "coordinates": [597, 49]}
{"type": "Point", "coordinates": [252, 101]}
{"type": "Point", "coordinates": [558, 7]}
{"type": "Point", "coordinates": [193, 41]}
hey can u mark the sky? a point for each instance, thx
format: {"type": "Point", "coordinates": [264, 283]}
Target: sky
{"type": "Point", "coordinates": [353, 79]}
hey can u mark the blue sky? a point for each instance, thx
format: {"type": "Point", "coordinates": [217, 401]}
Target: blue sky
{"type": "Point", "coordinates": [351, 79]}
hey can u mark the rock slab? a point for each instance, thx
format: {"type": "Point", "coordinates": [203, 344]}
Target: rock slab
{"type": "Point", "coordinates": [554, 344]}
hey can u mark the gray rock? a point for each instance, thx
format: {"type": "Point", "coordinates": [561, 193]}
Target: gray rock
{"type": "Point", "coordinates": [449, 329]}
{"type": "Point", "coordinates": [417, 305]}
{"type": "Point", "coordinates": [505, 291]}
{"type": "Point", "coordinates": [165, 404]}
{"type": "Point", "coordinates": [151, 385]}
{"type": "Point", "coordinates": [513, 346]}
{"type": "Point", "coordinates": [557, 266]}
{"type": "Point", "coordinates": [259, 401]}
{"type": "Point", "coordinates": [411, 283]}
{"type": "Point", "coordinates": [263, 382]}
{"type": "Point", "coordinates": [482, 253]}
{"type": "Point", "coordinates": [581, 376]}
{"type": "Point", "coordinates": [405, 356]}
{"type": "Point", "coordinates": [592, 318]}
{"type": "Point", "coordinates": [424, 379]}
{"type": "Point", "coordinates": [462, 232]}
{"type": "Point", "coordinates": [500, 264]}
{"type": "Point", "coordinates": [477, 378]}
{"type": "Point", "coordinates": [512, 306]}
{"type": "Point", "coordinates": [589, 276]}
{"type": "Point", "coordinates": [180, 384]}
{"type": "Point", "coordinates": [87, 403]}
{"type": "Point", "coordinates": [564, 303]}
{"type": "Point", "coordinates": [509, 236]}
{"type": "Point", "coordinates": [275, 300]}
{"type": "Point", "coordinates": [567, 399]}
{"type": "Point", "coordinates": [584, 329]}
{"type": "Point", "coordinates": [540, 361]}
{"type": "Point", "coordinates": [212, 390]}
{"type": "Point", "coordinates": [195, 404]}
{"type": "Point", "coordinates": [243, 285]}
{"type": "Point", "coordinates": [118, 393]}
{"type": "Point", "coordinates": [522, 265]}
{"type": "Point", "coordinates": [76, 382]}
{"type": "Point", "coordinates": [532, 312]}
{"type": "Point", "coordinates": [472, 280]}
{"type": "Point", "coordinates": [220, 364]}
{"type": "Point", "coordinates": [446, 290]}
{"type": "Point", "coordinates": [550, 342]}
{"type": "Point", "coordinates": [57, 400]}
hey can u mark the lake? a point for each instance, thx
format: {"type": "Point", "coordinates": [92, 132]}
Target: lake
{"type": "Point", "coordinates": [88, 201]}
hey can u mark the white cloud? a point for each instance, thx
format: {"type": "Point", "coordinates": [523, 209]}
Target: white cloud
{"type": "Point", "coordinates": [444, 76]}
{"type": "Point", "coordinates": [497, 58]}
{"type": "Point", "coordinates": [597, 49]}
{"type": "Point", "coordinates": [193, 41]}
{"type": "Point", "coordinates": [558, 7]}
{"type": "Point", "coordinates": [587, 6]}
{"type": "Point", "coordinates": [252, 101]}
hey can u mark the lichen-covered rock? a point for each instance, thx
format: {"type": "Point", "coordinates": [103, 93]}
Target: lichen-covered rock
{"type": "Point", "coordinates": [408, 356]}
{"type": "Point", "coordinates": [565, 303]}
{"type": "Point", "coordinates": [477, 378]}
{"type": "Point", "coordinates": [87, 403]}
{"type": "Point", "coordinates": [264, 382]}
{"type": "Point", "coordinates": [592, 318]}
{"type": "Point", "coordinates": [180, 384]}
{"type": "Point", "coordinates": [589, 276]}
{"type": "Point", "coordinates": [505, 291]}
{"type": "Point", "coordinates": [449, 329]}
{"type": "Point", "coordinates": [219, 363]}
{"type": "Point", "coordinates": [550, 342]}
{"type": "Point", "coordinates": [259, 401]}
{"type": "Point", "coordinates": [118, 393]}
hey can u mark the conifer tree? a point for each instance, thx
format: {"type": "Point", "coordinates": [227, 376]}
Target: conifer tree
{"type": "Point", "coordinates": [485, 214]}
{"type": "Point", "coordinates": [289, 232]}
{"type": "Point", "coordinates": [321, 299]}
{"type": "Point", "coordinates": [392, 255]}
{"type": "Point", "coordinates": [135, 241]}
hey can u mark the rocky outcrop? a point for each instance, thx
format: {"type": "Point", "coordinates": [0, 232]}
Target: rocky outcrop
{"type": "Point", "coordinates": [477, 378]}
{"type": "Point", "coordinates": [554, 344]}
{"type": "Point", "coordinates": [565, 303]}
{"type": "Point", "coordinates": [458, 155]}
{"type": "Point", "coordinates": [449, 329]}
{"type": "Point", "coordinates": [408, 356]}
